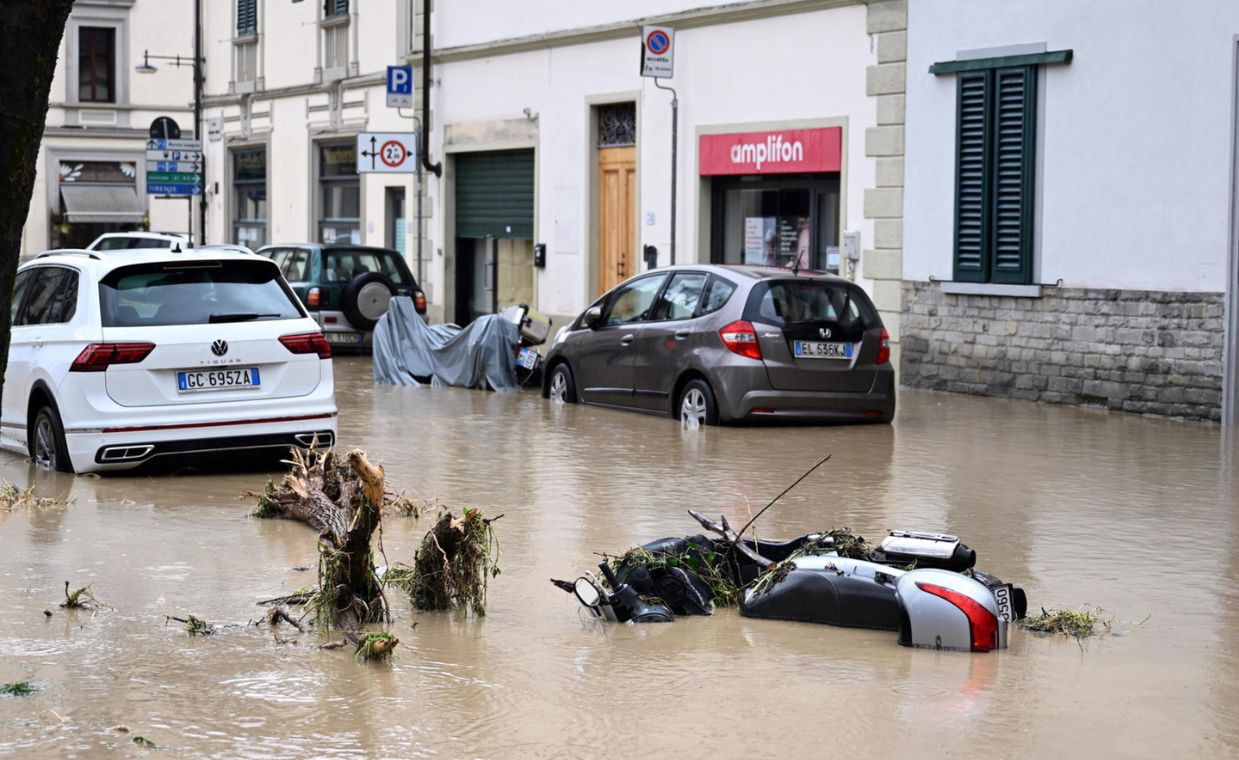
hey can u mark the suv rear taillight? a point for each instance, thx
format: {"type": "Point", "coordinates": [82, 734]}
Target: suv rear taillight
{"type": "Point", "coordinates": [307, 343]}
{"type": "Point", "coordinates": [741, 338]}
{"type": "Point", "coordinates": [982, 624]}
{"type": "Point", "coordinates": [419, 301]}
{"type": "Point", "coordinates": [314, 298]}
{"type": "Point", "coordinates": [97, 357]}
{"type": "Point", "coordinates": [884, 347]}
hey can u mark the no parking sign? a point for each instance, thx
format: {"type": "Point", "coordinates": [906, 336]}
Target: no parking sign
{"type": "Point", "coordinates": [657, 51]}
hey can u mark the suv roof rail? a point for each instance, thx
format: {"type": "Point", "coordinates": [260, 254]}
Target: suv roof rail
{"type": "Point", "coordinates": [69, 252]}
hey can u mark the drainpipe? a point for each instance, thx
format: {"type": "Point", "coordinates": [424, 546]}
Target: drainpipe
{"type": "Point", "coordinates": [435, 168]}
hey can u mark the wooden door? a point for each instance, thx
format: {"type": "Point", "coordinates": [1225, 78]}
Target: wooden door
{"type": "Point", "coordinates": [617, 180]}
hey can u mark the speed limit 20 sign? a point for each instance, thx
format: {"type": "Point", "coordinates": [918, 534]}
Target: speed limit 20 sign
{"type": "Point", "coordinates": [386, 152]}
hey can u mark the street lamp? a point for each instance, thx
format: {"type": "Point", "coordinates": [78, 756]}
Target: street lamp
{"type": "Point", "coordinates": [196, 62]}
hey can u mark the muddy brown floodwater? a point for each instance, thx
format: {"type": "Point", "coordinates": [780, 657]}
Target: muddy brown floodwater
{"type": "Point", "coordinates": [1137, 516]}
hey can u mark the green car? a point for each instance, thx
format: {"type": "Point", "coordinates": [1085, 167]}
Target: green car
{"type": "Point", "coordinates": [346, 288]}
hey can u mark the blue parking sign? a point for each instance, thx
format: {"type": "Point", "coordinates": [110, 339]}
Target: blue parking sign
{"type": "Point", "coordinates": [399, 86]}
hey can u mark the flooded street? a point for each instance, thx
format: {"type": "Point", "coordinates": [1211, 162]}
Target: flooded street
{"type": "Point", "coordinates": [1133, 515]}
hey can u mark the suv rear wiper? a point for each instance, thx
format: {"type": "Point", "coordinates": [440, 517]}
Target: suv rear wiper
{"type": "Point", "coordinates": [240, 316]}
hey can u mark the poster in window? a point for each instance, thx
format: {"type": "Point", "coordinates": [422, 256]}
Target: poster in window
{"type": "Point", "coordinates": [759, 239]}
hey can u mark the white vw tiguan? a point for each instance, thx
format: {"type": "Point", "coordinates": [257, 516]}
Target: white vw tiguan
{"type": "Point", "coordinates": [121, 357]}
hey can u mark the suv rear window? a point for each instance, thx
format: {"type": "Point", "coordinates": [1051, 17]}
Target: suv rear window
{"type": "Point", "coordinates": [204, 292]}
{"type": "Point", "coordinates": [344, 265]}
{"type": "Point", "coordinates": [790, 302]}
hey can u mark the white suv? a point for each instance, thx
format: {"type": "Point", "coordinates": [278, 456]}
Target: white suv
{"type": "Point", "coordinates": [122, 241]}
{"type": "Point", "coordinates": [121, 357]}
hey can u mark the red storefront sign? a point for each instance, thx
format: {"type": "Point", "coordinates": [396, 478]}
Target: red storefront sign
{"type": "Point", "coordinates": [786, 151]}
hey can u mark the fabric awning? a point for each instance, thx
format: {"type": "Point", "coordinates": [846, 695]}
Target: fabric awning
{"type": "Point", "coordinates": [101, 203]}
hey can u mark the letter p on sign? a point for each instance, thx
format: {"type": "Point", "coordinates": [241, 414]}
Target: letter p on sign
{"type": "Point", "coordinates": [399, 86]}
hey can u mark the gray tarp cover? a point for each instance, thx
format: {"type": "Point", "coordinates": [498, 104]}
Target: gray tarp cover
{"type": "Point", "coordinates": [479, 355]}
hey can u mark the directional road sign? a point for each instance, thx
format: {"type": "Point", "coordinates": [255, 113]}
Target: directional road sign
{"type": "Point", "coordinates": [173, 167]}
{"type": "Point", "coordinates": [657, 51]}
{"type": "Point", "coordinates": [399, 86]}
{"type": "Point", "coordinates": [386, 152]}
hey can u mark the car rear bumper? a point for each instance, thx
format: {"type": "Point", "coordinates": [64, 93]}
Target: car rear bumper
{"type": "Point", "coordinates": [339, 332]}
{"type": "Point", "coordinates": [757, 401]}
{"type": "Point", "coordinates": [126, 449]}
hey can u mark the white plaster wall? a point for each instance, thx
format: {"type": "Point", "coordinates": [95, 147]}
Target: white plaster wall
{"type": "Point", "coordinates": [1136, 137]}
{"type": "Point", "coordinates": [477, 21]}
{"type": "Point", "coordinates": [810, 66]}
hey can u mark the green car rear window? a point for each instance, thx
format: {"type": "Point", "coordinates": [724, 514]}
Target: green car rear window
{"type": "Point", "coordinates": [344, 265]}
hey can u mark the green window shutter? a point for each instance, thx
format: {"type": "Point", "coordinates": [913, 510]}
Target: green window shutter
{"type": "Point", "coordinates": [494, 194]}
{"type": "Point", "coordinates": [247, 17]}
{"type": "Point", "coordinates": [333, 8]}
{"type": "Point", "coordinates": [1014, 151]}
{"type": "Point", "coordinates": [972, 181]}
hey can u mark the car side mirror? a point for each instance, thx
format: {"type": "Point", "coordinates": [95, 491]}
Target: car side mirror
{"type": "Point", "coordinates": [592, 317]}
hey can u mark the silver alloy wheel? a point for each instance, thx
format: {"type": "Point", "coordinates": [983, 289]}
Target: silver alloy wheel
{"type": "Point", "coordinates": [693, 408]}
{"type": "Point", "coordinates": [44, 443]}
{"type": "Point", "coordinates": [559, 387]}
{"type": "Point", "coordinates": [373, 300]}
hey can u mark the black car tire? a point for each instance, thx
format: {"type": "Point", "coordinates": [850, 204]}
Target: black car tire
{"type": "Point", "coordinates": [355, 301]}
{"type": "Point", "coordinates": [562, 373]}
{"type": "Point", "coordinates": [700, 397]}
{"type": "Point", "coordinates": [47, 441]}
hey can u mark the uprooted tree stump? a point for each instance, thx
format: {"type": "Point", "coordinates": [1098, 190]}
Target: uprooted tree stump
{"type": "Point", "coordinates": [343, 502]}
{"type": "Point", "coordinates": [453, 564]}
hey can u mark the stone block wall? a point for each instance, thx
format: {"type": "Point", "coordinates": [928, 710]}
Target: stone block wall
{"type": "Point", "coordinates": [1149, 352]}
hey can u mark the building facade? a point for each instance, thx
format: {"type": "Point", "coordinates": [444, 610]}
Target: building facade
{"type": "Point", "coordinates": [1070, 203]}
{"type": "Point", "coordinates": [553, 153]}
{"type": "Point", "coordinates": [92, 162]}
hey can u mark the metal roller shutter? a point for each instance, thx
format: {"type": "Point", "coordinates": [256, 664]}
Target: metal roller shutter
{"type": "Point", "coordinates": [494, 194]}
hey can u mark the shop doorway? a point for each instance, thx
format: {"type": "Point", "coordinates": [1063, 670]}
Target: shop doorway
{"type": "Point", "coordinates": [617, 187]}
{"type": "Point", "coordinates": [494, 232]}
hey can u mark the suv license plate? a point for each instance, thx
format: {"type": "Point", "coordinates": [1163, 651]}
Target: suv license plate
{"type": "Point", "coordinates": [816, 349]}
{"type": "Point", "coordinates": [191, 381]}
{"type": "Point", "coordinates": [343, 337]}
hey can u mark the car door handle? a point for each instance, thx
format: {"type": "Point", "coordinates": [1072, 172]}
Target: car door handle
{"type": "Point", "coordinates": [624, 341]}
{"type": "Point", "coordinates": [682, 334]}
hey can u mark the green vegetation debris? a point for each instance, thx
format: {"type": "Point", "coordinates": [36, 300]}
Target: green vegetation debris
{"type": "Point", "coordinates": [81, 599]}
{"type": "Point", "coordinates": [144, 743]}
{"type": "Point", "coordinates": [193, 626]}
{"type": "Point", "coordinates": [401, 504]}
{"type": "Point", "coordinates": [17, 689]}
{"type": "Point", "coordinates": [12, 497]}
{"type": "Point", "coordinates": [702, 561]}
{"type": "Point", "coordinates": [375, 647]}
{"type": "Point", "coordinates": [453, 565]}
{"type": "Point", "coordinates": [1078, 623]}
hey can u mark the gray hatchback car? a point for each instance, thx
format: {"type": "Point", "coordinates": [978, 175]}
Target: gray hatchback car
{"type": "Point", "coordinates": [709, 344]}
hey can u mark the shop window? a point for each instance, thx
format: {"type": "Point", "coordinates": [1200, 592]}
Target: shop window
{"type": "Point", "coordinates": [994, 167]}
{"type": "Point", "coordinates": [96, 64]}
{"type": "Point", "coordinates": [788, 221]}
{"type": "Point", "coordinates": [339, 208]}
{"type": "Point", "coordinates": [249, 185]}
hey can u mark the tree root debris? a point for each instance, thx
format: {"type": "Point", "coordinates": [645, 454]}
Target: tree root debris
{"type": "Point", "coordinates": [1078, 623]}
{"type": "Point", "coordinates": [375, 647]}
{"type": "Point", "coordinates": [82, 599]}
{"type": "Point", "coordinates": [454, 563]}
{"type": "Point", "coordinates": [193, 626]}
{"type": "Point", "coordinates": [12, 497]}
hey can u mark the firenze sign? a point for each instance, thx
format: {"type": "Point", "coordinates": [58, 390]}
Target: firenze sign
{"type": "Point", "coordinates": [786, 151]}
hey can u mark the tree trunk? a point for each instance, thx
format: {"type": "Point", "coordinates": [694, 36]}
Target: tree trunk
{"type": "Point", "coordinates": [344, 504]}
{"type": "Point", "coordinates": [30, 33]}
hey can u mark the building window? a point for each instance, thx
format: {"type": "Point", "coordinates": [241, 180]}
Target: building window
{"type": "Point", "coordinates": [333, 8]}
{"type": "Point", "coordinates": [617, 125]}
{"type": "Point", "coordinates": [249, 184]}
{"type": "Point", "coordinates": [785, 221]}
{"type": "Point", "coordinates": [339, 192]}
{"type": "Point", "coordinates": [96, 64]}
{"type": "Point", "coordinates": [247, 18]}
{"type": "Point", "coordinates": [994, 167]}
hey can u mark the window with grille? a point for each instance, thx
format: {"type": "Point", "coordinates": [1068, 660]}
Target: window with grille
{"type": "Point", "coordinates": [994, 167]}
{"type": "Point", "coordinates": [617, 125]}
{"type": "Point", "coordinates": [96, 64]}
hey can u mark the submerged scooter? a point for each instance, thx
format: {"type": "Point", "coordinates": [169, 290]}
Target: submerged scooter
{"type": "Point", "coordinates": [922, 585]}
{"type": "Point", "coordinates": [534, 329]}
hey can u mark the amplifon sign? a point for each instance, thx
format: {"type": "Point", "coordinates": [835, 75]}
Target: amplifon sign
{"type": "Point", "coordinates": [785, 151]}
